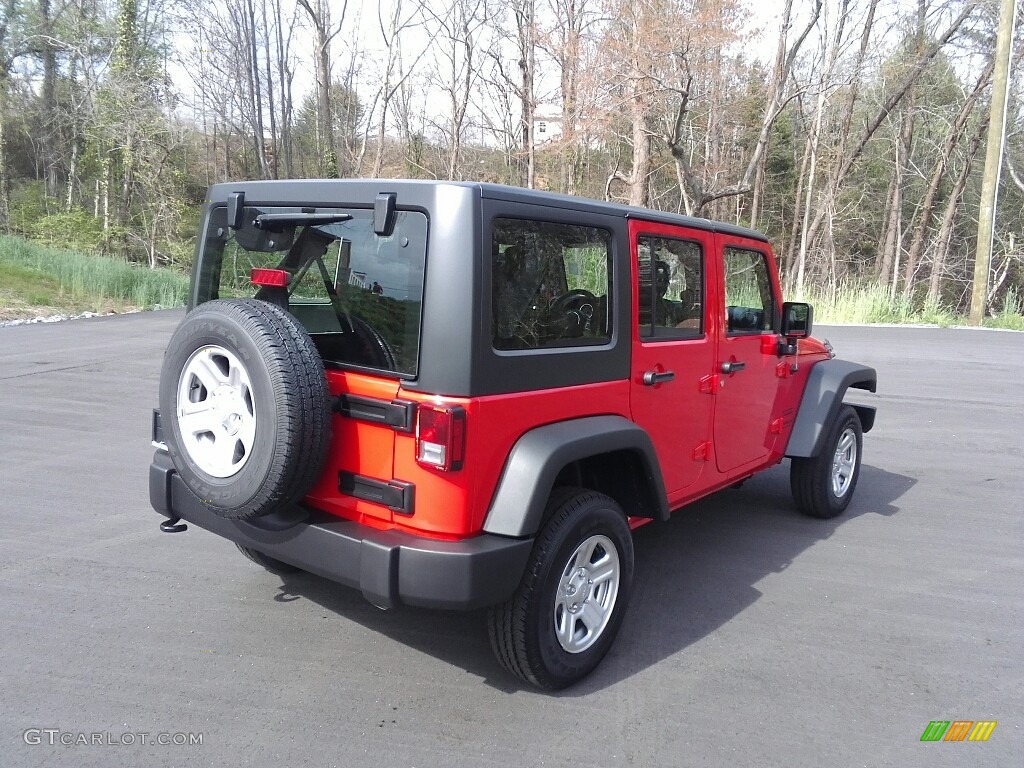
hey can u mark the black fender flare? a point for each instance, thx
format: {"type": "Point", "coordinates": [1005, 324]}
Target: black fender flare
{"type": "Point", "coordinates": [517, 508]}
{"type": "Point", "coordinates": [823, 395]}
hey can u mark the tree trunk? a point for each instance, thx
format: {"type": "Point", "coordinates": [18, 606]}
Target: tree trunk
{"type": "Point", "coordinates": [275, 148]}
{"type": "Point", "coordinates": [48, 103]}
{"type": "Point", "coordinates": [256, 86]}
{"type": "Point", "coordinates": [5, 175]}
{"type": "Point", "coordinates": [639, 182]}
{"type": "Point", "coordinates": [924, 218]}
{"type": "Point", "coordinates": [527, 61]}
{"type": "Point", "coordinates": [798, 218]}
{"type": "Point", "coordinates": [890, 246]}
{"type": "Point", "coordinates": [949, 216]}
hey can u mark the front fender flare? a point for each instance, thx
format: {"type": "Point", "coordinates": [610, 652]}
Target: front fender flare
{"type": "Point", "coordinates": [534, 462]}
{"type": "Point", "coordinates": [823, 397]}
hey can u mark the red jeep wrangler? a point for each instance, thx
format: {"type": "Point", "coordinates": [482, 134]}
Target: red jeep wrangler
{"type": "Point", "coordinates": [462, 395]}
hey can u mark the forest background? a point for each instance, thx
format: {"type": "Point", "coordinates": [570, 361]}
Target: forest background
{"type": "Point", "coordinates": [852, 132]}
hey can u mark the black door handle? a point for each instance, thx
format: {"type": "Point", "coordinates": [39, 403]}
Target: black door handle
{"type": "Point", "coordinates": [654, 377]}
{"type": "Point", "coordinates": [733, 367]}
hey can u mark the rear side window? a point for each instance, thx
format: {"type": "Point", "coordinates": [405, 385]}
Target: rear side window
{"type": "Point", "coordinates": [358, 294]}
{"type": "Point", "coordinates": [748, 292]}
{"type": "Point", "coordinates": [550, 285]}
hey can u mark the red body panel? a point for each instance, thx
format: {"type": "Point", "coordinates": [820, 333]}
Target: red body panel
{"type": "Point", "coordinates": [748, 400]}
{"type": "Point", "coordinates": [448, 504]}
{"type": "Point", "coordinates": [676, 414]}
{"type": "Point", "coordinates": [709, 429]}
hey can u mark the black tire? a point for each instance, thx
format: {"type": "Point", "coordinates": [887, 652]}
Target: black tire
{"type": "Point", "coordinates": [374, 349]}
{"type": "Point", "coordinates": [267, 562]}
{"type": "Point", "coordinates": [811, 478]}
{"type": "Point", "coordinates": [287, 400]}
{"type": "Point", "coordinates": [522, 630]}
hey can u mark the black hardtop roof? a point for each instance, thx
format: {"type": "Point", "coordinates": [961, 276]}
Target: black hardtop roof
{"type": "Point", "coordinates": [313, 189]}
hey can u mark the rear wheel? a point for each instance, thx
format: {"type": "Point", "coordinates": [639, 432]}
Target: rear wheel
{"type": "Point", "coordinates": [267, 562]}
{"type": "Point", "coordinates": [823, 485]}
{"type": "Point", "coordinates": [568, 609]}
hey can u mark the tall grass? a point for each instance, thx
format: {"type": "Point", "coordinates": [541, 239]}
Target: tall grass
{"type": "Point", "coordinates": [95, 278]}
{"type": "Point", "coordinates": [871, 304]}
{"type": "Point", "coordinates": [866, 304]}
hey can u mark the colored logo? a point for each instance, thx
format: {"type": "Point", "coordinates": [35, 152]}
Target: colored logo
{"type": "Point", "coordinates": [958, 730]}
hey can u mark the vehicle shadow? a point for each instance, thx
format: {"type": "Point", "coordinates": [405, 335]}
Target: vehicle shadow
{"type": "Point", "coordinates": [703, 563]}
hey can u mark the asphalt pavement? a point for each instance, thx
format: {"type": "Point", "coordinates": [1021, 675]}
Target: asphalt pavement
{"type": "Point", "coordinates": [756, 636]}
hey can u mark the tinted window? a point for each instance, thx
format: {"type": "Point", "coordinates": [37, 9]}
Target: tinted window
{"type": "Point", "coordinates": [357, 294]}
{"type": "Point", "coordinates": [748, 292]}
{"type": "Point", "coordinates": [550, 285]}
{"type": "Point", "coordinates": [671, 283]}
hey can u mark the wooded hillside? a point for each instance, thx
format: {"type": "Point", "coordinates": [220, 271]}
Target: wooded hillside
{"type": "Point", "coordinates": [858, 145]}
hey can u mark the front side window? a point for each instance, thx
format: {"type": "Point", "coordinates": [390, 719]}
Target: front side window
{"type": "Point", "coordinates": [550, 285]}
{"type": "Point", "coordinates": [358, 294]}
{"type": "Point", "coordinates": [671, 288]}
{"type": "Point", "coordinates": [749, 304]}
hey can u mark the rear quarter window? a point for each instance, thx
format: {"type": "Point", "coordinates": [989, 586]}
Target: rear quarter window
{"type": "Point", "coordinates": [550, 285]}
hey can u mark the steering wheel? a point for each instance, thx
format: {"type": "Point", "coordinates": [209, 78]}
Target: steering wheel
{"type": "Point", "coordinates": [577, 306]}
{"type": "Point", "coordinates": [568, 302]}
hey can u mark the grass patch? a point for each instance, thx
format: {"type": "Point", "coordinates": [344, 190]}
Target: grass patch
{"type": "Point", "coordinates": [872, 304]}
{"type": "Point", "coordinates": [36, 278]}
{"type": "Point", "coordinates": [1011, 316]}
{"type": "Point", "coordinates": [869, 304]}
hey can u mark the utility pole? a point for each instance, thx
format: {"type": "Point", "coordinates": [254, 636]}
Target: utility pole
{"type": "Point", "coordinates": [993, 160]}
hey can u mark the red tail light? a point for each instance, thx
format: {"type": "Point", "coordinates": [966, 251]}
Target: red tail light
{"type": "Point", "coordinates": [271, 278]}
{"type": "Point", "coordinates": [440, 436]}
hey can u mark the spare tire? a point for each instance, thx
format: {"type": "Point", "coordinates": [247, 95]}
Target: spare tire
{"type": "Point", "coordinates": [244, 401]}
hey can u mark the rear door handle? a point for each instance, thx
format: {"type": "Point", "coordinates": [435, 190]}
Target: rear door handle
{"type": "Point", "coordinates": [655, 377]}
{"type": "Point", "coordinates": [733, 367]}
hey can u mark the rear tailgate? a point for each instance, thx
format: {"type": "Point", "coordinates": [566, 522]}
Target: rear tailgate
{"type": "Point", "coordinates": [360, 460]}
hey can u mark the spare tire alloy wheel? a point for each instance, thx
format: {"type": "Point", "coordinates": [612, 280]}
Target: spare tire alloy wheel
{"type": "Point", "coordinates": [216, 414]}
{"type": "Point", "coordinates": [247, 403]}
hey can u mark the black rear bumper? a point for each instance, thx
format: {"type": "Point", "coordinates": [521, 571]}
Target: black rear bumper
{"type": "Point", "coordinates": [389, 567]}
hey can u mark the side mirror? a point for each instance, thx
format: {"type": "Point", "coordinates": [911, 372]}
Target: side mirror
{"type": "Point", "coordinates": [796, 319]}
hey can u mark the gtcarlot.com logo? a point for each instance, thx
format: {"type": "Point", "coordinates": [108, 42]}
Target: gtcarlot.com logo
{"type": "Point", "coordinates": [56, 737]}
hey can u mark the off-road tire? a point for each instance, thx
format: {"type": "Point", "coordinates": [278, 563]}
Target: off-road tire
{"type": "Point", "coordinates": [290, 398]}
{"type": "Point", "coordinates": [811, 478]}
{"type": "Point", "coordinates": [522, 631]}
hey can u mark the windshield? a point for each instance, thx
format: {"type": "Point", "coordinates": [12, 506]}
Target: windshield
{"type": "Point", "coordinates": [358, 294]}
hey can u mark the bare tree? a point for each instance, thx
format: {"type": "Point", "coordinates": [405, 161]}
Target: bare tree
{"type": "Point", "coordinates": [566, 43]}
{"type": "Point", "coordinates": [394, 72]}
{"type": "Point", "coordinates": [457, 41]}
{"type": "Point", "coordinates": [320, 17]}
{"type": "Point", "coordinates": [696, 193]}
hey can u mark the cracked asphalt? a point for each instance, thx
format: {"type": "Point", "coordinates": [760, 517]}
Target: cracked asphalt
{"type": "Point", "coordinates": [756, 637]}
